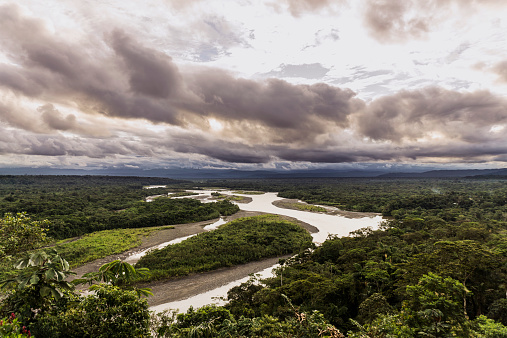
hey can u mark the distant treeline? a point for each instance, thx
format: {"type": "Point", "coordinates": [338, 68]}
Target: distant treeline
{"type": "Point", "coordinates": [445, 198]}
{"type": "Point", "coordinates": [76, 205]}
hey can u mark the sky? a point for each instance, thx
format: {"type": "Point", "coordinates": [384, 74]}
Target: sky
{"type": "Point", "coordinates": [253, 84]}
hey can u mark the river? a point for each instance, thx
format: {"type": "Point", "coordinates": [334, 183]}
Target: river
{"type": "Point", "coordinates": [325, 223]}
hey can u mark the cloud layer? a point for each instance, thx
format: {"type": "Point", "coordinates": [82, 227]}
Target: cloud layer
{"type": "Point", "coordinates": [117, 97]}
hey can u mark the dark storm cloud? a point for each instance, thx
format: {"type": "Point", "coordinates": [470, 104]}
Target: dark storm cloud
{"type": "Point", "coordinates": [275, 103]}
{"type": "Point", "coordinates": [150, 73]}
{"type": "Point", "coordinates": [411, 114]}
{"type": "Point", "coordinates": [221, 150]}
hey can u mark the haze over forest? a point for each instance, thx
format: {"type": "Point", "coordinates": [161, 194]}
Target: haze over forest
{"type": "Point", "coordinates": [293, 84]}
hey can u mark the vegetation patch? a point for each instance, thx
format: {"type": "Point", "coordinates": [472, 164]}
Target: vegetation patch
{"type": "Point", "coordinates": [101, 244]}
{"type": "Point", "coordinates": [182, 194]}
{"type": "Point", "coordinates": [249, 192]}
{"type": "Point", "coordinates": [299, 206]}
{"type": "Point", "coordinates": [238, 242]}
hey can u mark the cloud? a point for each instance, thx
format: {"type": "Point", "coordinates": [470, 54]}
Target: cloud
{"type": "Point", "coordinates": [307, 71]}
{"type": "Point", "coordinates": [501, 69]}
{"type": "Point", "coordinates": [54, 119]}
{"type": "Point", "coordinates": [300, 7]}
{"type": "Point", "coordinates": [396, 21]}
{"type": "Point", "coordinates": [151, 73]}
{"type": "Point", "coordinates": [391, 20]}
{"type": "Point", "coordinates": [120, 96]}
{"type": "Point", "coordinates": [432, 112]}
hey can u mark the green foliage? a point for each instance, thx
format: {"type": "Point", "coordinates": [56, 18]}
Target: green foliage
{"type": "Point", "coordinates": [498, 311]}
{"type": "Point", "coordinates": [433, 269]}
{"type": "Point", "coordinates": [101, 244]}
{"type": "Point", "coordinates": [237, 242]}
{"type": "Point", "coordinates": [384, 326]}
{"type": "Point", "coordinates": [76, 205]}
{"type": "Point", "coordinates": [215, 321]}
{"type": "Point", "coordinates": [339, 277]}
{"type": "Point", "coordinates": [18, 234]}
{"type": "Point", "coordinates": [116, 273]}
{"type": "Point", "coordinates": [41, 280]}
{"type": "Point", "coordinates": [11, 328]}
{"type": "Point", "coordinates": [372, 307]}
{"type": "Point", "coordinates": [488, 328]}
{"type": "Point", "coordinates": [109, 312]}
{"type": "Point", "coordinates": [435, 306]}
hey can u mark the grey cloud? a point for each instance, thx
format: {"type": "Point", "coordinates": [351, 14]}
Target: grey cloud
{"type": "Point", "coordinates": [307, 71]}
{"type": "Point", "coordinates": [25, 143]}
{"type": "Point", "coordinates": [399, 20]}
{"type": "Point", "coordinates": [456, 53]}
{"type": "Point", "coordinates": [131, 80]}
{"type": "Point", "coordinates": [501, 70]}
{"type": "Point", "coordinates": [221, 150]}
{"type": "Point", "coordinates": [387, 21]}
{"type": "Point", "coordinates": [54, 119]}
{"type": "Point", "coordinates": [411, 114]}
{"type": "Point", "coordinates": [151, 73]}
{"type": "Point", "coordinates": [275, 103]}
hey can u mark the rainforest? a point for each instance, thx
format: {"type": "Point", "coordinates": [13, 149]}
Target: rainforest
{"type": "Point", "coordinates": [434, 266]}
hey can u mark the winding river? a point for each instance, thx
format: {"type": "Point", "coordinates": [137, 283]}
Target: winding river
{"type": "Point", "coordinates": [325, 223]}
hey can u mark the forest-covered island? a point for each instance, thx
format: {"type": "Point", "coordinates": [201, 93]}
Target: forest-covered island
{"type": "Point", "coordinates": [437, 266]}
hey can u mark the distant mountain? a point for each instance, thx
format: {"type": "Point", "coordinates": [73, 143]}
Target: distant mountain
{"type": "Point", "coordinates": [447, 173]}
{"type": "Point", "coordinates": [203, 174]}
{"type": "Point", "coordinates": [194, 173]}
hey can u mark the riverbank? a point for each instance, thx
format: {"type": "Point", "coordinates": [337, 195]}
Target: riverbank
{"type": "Point", "coordinates": [170, 290]}
{"type": "Point", "coordinates": [299, 205]}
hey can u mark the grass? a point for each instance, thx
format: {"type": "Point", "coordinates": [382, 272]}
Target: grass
{"type": "Point", "coordinates": [182, 193]}
{"type": "Point", "coordinates": [249, 192]}
{"type": "Point", "coordinates": [307, 207]}
{"type": "Point", "coordinates": [100, 244]}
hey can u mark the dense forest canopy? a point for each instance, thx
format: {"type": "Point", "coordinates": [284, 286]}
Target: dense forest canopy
{"type": "Point", "coordinates": [437, 266]}
{"type": "Point", "coordinates": [76, 205]}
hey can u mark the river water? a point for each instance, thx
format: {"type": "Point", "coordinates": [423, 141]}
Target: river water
{"type": "Point", "coordinates": [325, 223]}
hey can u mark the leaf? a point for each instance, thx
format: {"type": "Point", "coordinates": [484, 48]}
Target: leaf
{"type": "Point", "coordinates": [45, 291]}
{"type": "Point", "coordinates": [56, 293]}
{"type": "Point", "coordinates": [65, 264]}
{"type": "Point", "coordinates": [21, 264]}
{"type": "Point", "coordinates": [23, 283]}
{"type": "Point", "coordinates": [34, 280]}
{"type": "Point", "coordinates": [50, 274]}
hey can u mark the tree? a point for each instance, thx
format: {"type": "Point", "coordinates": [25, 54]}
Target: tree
{"type": "Point", "coordinates": [108, 312]}
{"type": "Point", "coordinates": [18, 233]}
{"type": "Point", "coordinates": [117, 273]}
{"type": "Point", "coordinates": [433, 306]}
{"type": "Point", "coordinates": [40, 281]}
